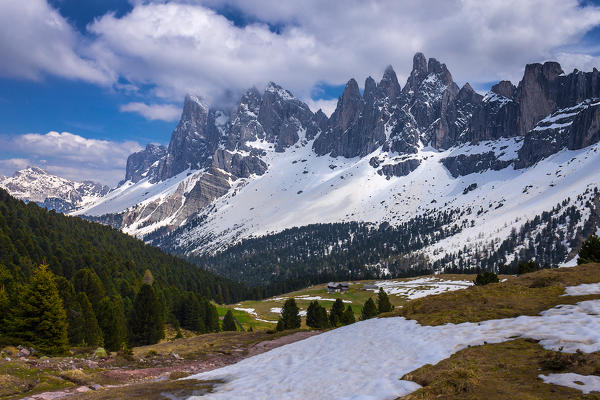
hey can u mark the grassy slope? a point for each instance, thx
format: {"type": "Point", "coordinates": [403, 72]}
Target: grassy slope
{"type": "Point", "coordinates": [355, 294]}
{"type": "Point", "coordinates": [506, 370]}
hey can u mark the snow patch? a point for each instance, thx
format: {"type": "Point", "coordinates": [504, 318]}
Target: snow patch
{"type": "Point", "coordinates": [584, 383]}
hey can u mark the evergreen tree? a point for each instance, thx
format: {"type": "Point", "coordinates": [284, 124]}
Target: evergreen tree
{"type": "Point", "coordinates": [590, 251]}
{"type": "Point", "coordinates": [290, 316]}
{"type": "Point", "coordinates": [92, 335]}
{"type": "Point", "coordinates": [39, 318]}
{"type": "Point", "coordinates": [111, 318]}
{"type": "Point", "coordinates": [336, 312]}
{"type": "Point", "coordinates": [211, 317]}
{"type": "Point", "coordinates": [316, 316]}
{"type": "Point", "coordinates": [146, 325]}
{"type": "Point", "coordinates": [5, 298]}
{"type": "Point", "coordinates": [280, 325]}
{"type": "Point", "coordinates": [348, 316]}
{"type": "Point", "coordinates": [383, 302]}
{"type": "Point", "coordinates": [85, 280]}
{"type": "Point", "coordinates": [228, 322]}
{"type": "Point", "coordinates": [369, 310]}
{"type": "Point", "coordinates": [525, 267]}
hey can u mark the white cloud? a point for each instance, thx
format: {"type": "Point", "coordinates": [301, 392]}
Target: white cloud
{"type": "Point", "coordinates": [35, 40]}
{"type": "Point", "coordinates": [185, 47]}
{"type": "Point", "coordinates": [163, 112]}
{"type": "Point", "coordinates": [327, 106]}
{"type": "Point", "coordinates": [68, 155]}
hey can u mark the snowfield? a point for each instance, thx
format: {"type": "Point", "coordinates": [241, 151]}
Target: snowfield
{"type": "Point", "coordinates": [588, 383]}
{"type": "Point", "coordinates": [421, 287]}
{"type": "Point", "coordinates": [365, 360]}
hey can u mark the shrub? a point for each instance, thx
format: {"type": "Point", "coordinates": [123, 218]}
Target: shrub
{"type": "Point", "coordinates": [486, 277]}
{"type": "Point", "coordinates": [590, 250]}
{"type": "Point", "coordinates": [525, 267]}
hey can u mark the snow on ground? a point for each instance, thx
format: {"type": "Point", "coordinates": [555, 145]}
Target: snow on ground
{"type": "Point", "coordinates": [366, 360]}
{"type": "Point", "coordinates": [421, 287]}
{"type": "Point", "coordinates": [585, 383]}
{"type": "Point", "coordinates": [277, 310]}
{"type": "Point", "coordinates": [583, 289]}
{"type": "Point", "coordinates": [252, 312]}
{"type": "Point", "coordinates": [311, 298]}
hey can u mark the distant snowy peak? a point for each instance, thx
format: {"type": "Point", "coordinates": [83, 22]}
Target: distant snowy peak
{"type": "Point", "coordinates": [51, 191]}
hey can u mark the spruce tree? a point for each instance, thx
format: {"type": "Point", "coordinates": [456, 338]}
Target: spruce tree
{"type": "Point", "coordinates": [311, 314]}
{"type": "Point", "coordinates": [111, 318]}
{"type": "Point", "coordinates": [39, 318]}
{"type": "Point", "coordinates": [92, 335]}
{"type": "Point", "coordinates": [6, 283]}
{"type": "Point", "coordinates": [383, 302]}
{"type": "Point", "coordinates": [85, 280]}
{"type": "Point", "coordinates": [369, 310]}
{"type": "Point", "coordinates": [211, 317]}
{"type": "Point", "coordinates": [146, 325]}
{"type": "Point", "coordinates": [228, 322]}
{"type": "Point", "coordinates": [335, 315]}
{"type": "Point", "coordinates": [290, 315]}
{"type": "Point", "coordinates": [590, 251]}
{"type": "Point", "coordinates": [348, 316]}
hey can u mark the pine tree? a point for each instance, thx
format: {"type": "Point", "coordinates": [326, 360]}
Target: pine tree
{"type": "Point", "coordinates": [6, 283]}
{"type": "Point", "coordinates": [311, 314]}
{"type": "Point", "coordinates": [39, 318]}
{"type": "Point", "coordinates": [369, 310]}
{"type": "Point", "coordinates": [336, 312]}
{"type": "Point", "coordinates": [111, 318]}
{"type": "Point", "coordinates": [383, 302]}
{"type": "Point", "coordinates": [92, 335]}
{"type": "Point", "coordinates": [146, 325]}
{"type": "Point", "coordinates": [590, 251]}
{"type": "Point", "coordinates": [290, 315]}
{"type": "Point", "coordinates": [85, 280]}
{"type": "Point", "coordinates": [211, 317]}
{"type": "Point", "coordinates": [228, 322]}
{"type": "Point", "coordinates": [483, 278]}
{"type": "Point", "coordinates": [348, 316]}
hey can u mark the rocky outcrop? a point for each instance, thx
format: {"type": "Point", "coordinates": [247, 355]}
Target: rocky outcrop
{"type": "Point", "coordinates": [193, 141]}
{"type": "Point", "coordinates": [402, 168]}
{"type": "Point", "coordinates": [463, 164]}
{"type": "Point", "coordinates": [140, 163]}
{"type": "Point", "coordinates": [238, 165]}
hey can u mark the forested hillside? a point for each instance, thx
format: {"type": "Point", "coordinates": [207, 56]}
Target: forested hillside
{"type": "Point", "coordinates": [112, 287]}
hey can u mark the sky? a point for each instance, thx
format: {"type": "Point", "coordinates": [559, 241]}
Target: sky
{"type": "Point", "coordinates": [83, 83]}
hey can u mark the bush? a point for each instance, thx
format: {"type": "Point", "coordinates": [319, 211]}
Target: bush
{"type": "Point", "coordinates": [525, 267]}
{"type": "Point", "coordinates": [486, 277]}
{"type": "Point", "coordinates": [590, 250]}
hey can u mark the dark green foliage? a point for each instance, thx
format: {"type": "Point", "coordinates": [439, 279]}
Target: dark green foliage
{"type": "Point", "coordinates": [228, 322]}
{"type": "Point", "coordinates": [316, 316]}
{"type": "Point", "coordinates": [590, 251]}
{"type": "Point", "coordinates": [290, 317]}
{"type": "Point", "coordinates": [111, 318]}
{"type": "Point", "coordinates": [92, 335]}
{"type": "Point", "coordinates": [383, 302]}
{"type": "Point", "coordinates": [280, 325]}
{"type": "Point", "coordinates": [86, 281]}
{"type": "Point", "coordinates": [212, 317]}
{"type": "Point", "coordinates": [369, 310]}
{"type": "Point", "coordinates": [336, 312]}
{"type": "Point", "coordinates": [39, 318]}
{"type": "Point", "coordinates": [483, 278]}
{"type": "Point", "coordinates": [348, 316]}
{"type": "Point", "coordinates": [525, 267]}
{"type": "Point", "coordinates": [146, 325]}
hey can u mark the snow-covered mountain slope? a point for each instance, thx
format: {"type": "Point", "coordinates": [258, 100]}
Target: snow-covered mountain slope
{"type": "Point", "coordinates": [492, 163]}
{"type": "Point", "coordinates": [51, 191]}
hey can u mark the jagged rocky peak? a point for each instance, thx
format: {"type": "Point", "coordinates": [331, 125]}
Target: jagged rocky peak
{"type": "Point", "coordinates": [505, 89]}
{"type": "Point", "coordinates": [349, 107]}
{"type": "Point", "coordinates": [283, 116]}
{"type": "Point", "coordinates": [193, 141]}
{"type": "Point", "coordinates": [139, 164]}
{"type": "Point", "coordinates": [370, 90]}
{"type": "Point", "coordinates": [417, 75]}
{"type": "Point", "coordinates": [389, 86]}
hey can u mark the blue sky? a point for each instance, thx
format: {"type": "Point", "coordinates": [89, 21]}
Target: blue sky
{"type": "Point", "coordinates": [113, 73]}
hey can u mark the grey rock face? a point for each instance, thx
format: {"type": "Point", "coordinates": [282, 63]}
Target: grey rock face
{"type": "Point", "coordinates": [140, 163]}
{"type": "Point", "coordinates": [462, 164]}
{"type": "Point", "coordinates": [238, 165]}
{"type": "Point", "coordinates": [402, 168]}
{"type": "Point", "coordinates": [193, 141]}
{"type": "Point", "coordinates": [585, 129]}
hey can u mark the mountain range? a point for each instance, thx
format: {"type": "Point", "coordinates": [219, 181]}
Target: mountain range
{"type": "Point", "coordinates": [51, 191]}
{"type": "Point", "coordinates": [466, 180]}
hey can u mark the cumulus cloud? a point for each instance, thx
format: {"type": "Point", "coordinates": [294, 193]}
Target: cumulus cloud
{"type": "Point", "coordinates": [163, 112]}
{"type": "Point", "coordinates": [68, 155]}
{"type": "Point", "coordinates": [184, 46]}
{"type": "Point", "coordinates": [35, 40]}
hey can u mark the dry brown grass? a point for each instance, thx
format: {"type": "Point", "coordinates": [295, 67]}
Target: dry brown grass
{"type": "Point", "coordinates": [528, 294]}
{"type": "Point", "coordinates": [501, 371]}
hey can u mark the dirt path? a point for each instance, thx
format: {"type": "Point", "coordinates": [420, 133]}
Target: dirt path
{"type": "Point", "coordinates": [151, 374]}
